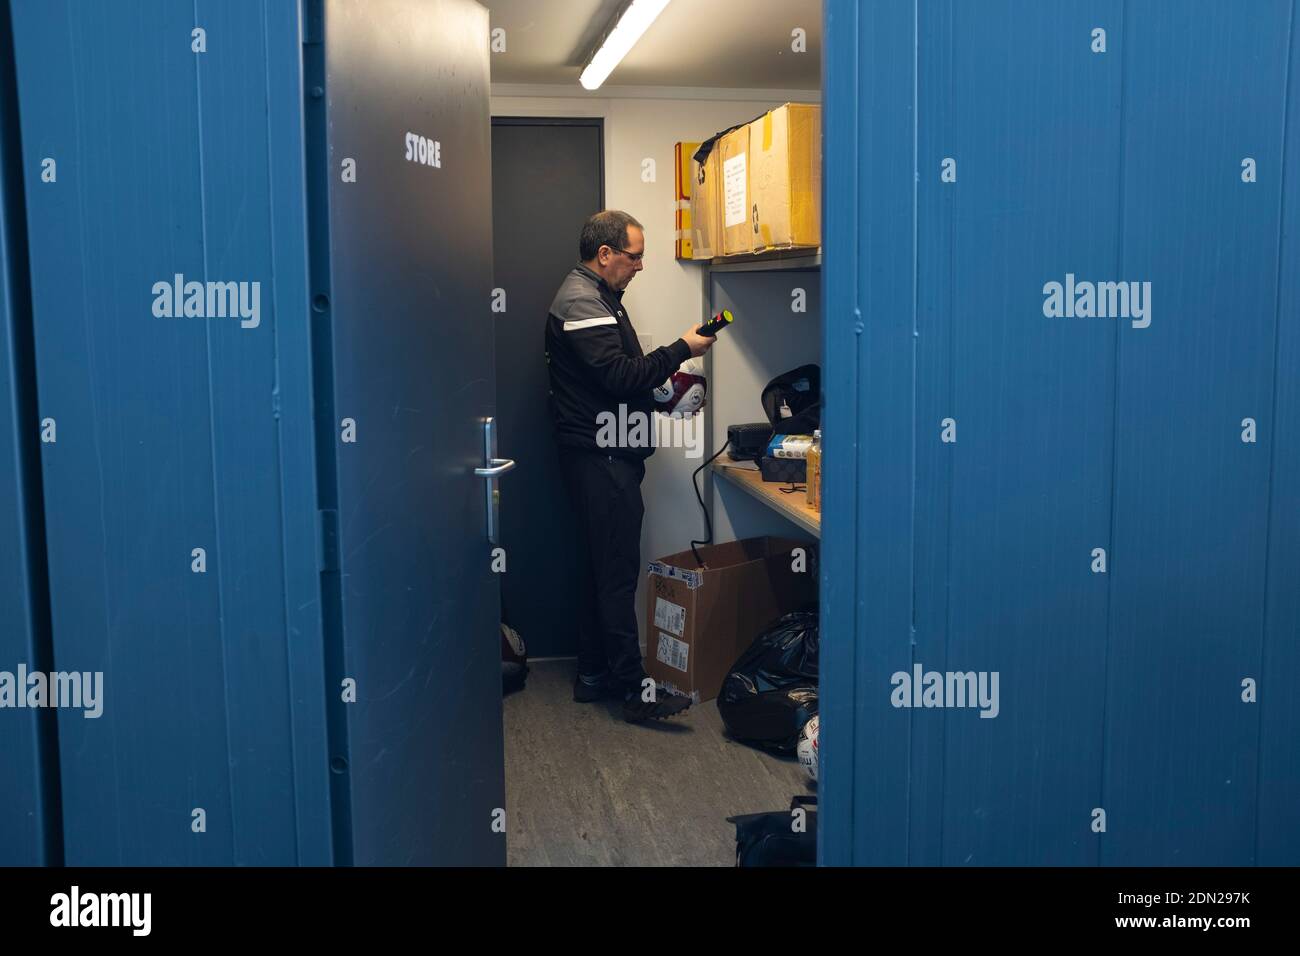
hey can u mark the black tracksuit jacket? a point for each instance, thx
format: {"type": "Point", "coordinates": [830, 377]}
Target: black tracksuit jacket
{"type": "Point", "coordinates": [596, 363]}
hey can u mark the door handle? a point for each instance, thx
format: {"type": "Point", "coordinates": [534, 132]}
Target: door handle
{"type": "Point", "coordinates": [492, 469]}
{"type": "Point", "coordinates": [496, 466]}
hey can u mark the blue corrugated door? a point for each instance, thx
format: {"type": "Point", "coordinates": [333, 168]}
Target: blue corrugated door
{"type": "Point", "coordinates": [164, 140]}
{"type": "Point", "coordinates": [1098, 509]}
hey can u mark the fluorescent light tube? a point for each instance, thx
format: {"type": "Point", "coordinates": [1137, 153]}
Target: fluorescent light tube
{"type": "Point", "coordinates": [636, 19]}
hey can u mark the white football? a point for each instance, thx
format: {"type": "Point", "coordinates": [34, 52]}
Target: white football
{"type": "Point", "coordinates": [807, 748]}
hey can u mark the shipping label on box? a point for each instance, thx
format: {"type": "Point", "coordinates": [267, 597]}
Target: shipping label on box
{"type": "Point", "coordinates": [670, 616]}
{"type": "Point", "coordinates": [673, 652]}
{"type": "Point", "coordinates": [734, 189]}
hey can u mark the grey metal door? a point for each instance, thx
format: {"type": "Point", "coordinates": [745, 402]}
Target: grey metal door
{"type": "Point", "coordinates": [409, 274]}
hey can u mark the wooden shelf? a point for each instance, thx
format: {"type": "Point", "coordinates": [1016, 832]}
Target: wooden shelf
{"type": "Point", "coordinates": [786, 260]}
{"type": "Point", "coordinates": [793, 505]}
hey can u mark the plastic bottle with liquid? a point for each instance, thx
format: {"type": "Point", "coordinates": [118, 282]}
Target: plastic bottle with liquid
{"type": "Point", "coordinates": [814, 472]}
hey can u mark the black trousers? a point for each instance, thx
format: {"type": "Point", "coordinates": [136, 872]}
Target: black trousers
{"type": "Point", "coordinates": [606, 493]}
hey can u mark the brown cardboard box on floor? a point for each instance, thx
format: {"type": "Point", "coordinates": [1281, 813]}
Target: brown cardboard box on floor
{"type": "Point", "coordinates": [700, 620]}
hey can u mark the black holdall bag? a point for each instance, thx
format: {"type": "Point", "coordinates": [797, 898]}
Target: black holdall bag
{"type": "Point", "coordinates": [777, 839]}
{"type": "Point", "coordinates": [793, 401]}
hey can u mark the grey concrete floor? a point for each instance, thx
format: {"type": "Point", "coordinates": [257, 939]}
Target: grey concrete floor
{"type": "Point", "coordinates": [584, 788]}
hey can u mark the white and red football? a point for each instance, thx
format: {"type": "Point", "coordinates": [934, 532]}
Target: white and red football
{"type": "Point", "coordinates": [682, 395]}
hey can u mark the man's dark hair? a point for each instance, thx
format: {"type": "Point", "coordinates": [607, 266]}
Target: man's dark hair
{"type": "Point", "coordinates": [605, 228]}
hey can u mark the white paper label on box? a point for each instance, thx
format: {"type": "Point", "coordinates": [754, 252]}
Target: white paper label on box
{"type": "Point", "coordinates": [733, 188]}
{"type": "Point", "coordinates": [673, 652]}
{"type": "Point", "coordinates": [670, 616]}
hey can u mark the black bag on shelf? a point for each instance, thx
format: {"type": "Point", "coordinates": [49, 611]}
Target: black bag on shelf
{"type": "Point", "coordinates": [793, 401]}
{"type": "Point", "coordinates": [770, 839]}
{"type": "Point", "coordinates": [771, 692]}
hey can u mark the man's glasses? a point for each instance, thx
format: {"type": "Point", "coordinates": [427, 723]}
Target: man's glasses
{"type": "Point", "coordinates": [634, 256]}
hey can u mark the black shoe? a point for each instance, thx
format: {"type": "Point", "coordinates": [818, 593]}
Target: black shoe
{"type": "Point", "coordinates": [587, 692]}
{"type": "Point", "coordinates": [667, 703]}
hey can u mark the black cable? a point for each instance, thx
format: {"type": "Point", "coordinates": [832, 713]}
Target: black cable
{"type": "Point", "coordinates": [708, 525]}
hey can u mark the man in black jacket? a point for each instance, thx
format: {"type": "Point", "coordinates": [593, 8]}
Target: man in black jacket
{"type": "Point", "coordinates": [599, 375]}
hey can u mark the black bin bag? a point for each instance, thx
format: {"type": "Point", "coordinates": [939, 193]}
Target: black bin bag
{"type": "Point", "coordinates": [771, 692]}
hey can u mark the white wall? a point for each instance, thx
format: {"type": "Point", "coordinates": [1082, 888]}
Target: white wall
{"type": "Point", "coordinates": [668, 296]}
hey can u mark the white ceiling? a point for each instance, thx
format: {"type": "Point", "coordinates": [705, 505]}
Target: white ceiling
{"type": "Point", "coordinates": [743, 44]}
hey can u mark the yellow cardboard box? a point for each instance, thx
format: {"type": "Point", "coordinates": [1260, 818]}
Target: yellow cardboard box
{"type": "Point", "coordinates": [785, 178]}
